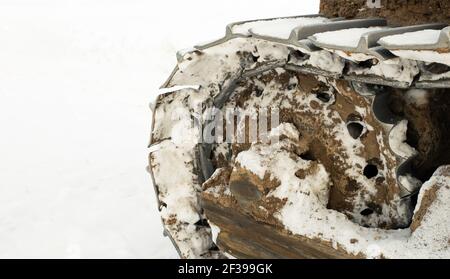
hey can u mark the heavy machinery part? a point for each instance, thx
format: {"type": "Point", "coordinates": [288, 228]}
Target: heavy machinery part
{"type": "Point", "coordinates": [215, 200]}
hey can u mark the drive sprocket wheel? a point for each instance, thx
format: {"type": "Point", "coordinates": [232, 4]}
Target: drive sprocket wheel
{"type": "Point", "coordinates": [339, 175]}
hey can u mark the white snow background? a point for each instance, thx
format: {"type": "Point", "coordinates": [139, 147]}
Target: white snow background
{"type": "Point", "coordinates": [76, 78]}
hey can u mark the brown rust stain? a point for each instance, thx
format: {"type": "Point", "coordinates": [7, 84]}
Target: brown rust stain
{"type": "Point", "coordinates": [427, 200]}
{"type": "Point", "coordinates": [244, 237]}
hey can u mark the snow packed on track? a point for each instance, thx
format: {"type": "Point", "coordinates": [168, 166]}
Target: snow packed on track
{"type": "Point", "coordinates": [76, 78]}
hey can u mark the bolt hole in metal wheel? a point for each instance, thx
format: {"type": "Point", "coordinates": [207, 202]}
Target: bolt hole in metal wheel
{"type": "Point", "coordinates": [317, 136]}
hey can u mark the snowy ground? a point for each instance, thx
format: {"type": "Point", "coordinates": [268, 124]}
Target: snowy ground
{"type": "Point", "coordinates": [76, 78]}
